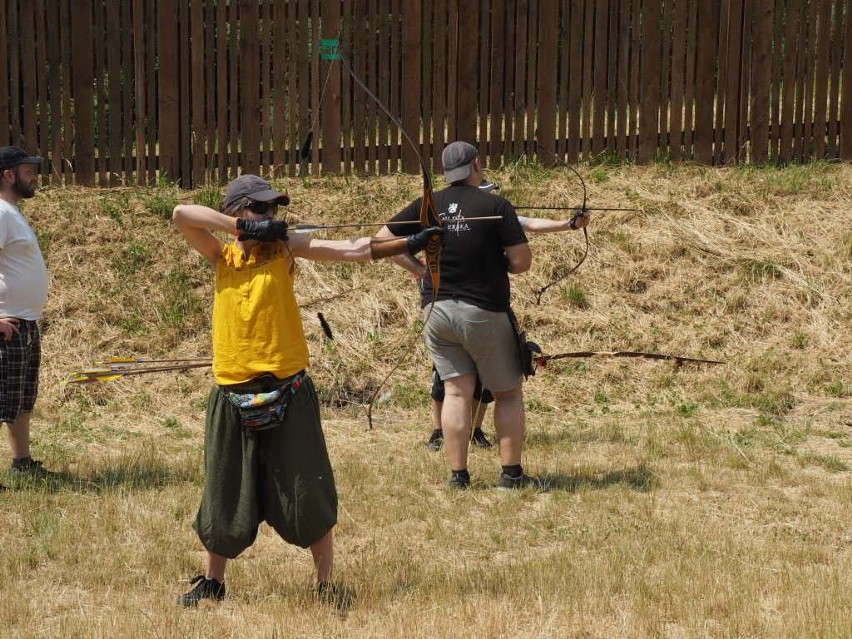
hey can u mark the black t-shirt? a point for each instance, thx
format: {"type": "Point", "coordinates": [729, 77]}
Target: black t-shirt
{"type": "Point", "coordinates": [473, 263]}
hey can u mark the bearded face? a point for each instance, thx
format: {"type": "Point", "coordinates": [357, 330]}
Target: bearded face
{"type": "Point", "coordinates": [25, 182]}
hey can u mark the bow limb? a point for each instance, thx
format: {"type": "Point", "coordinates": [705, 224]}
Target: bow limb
{"type": "Point", "coordinates": [579, 211]}
{"type": "Point", "coordinates": [428, 217]}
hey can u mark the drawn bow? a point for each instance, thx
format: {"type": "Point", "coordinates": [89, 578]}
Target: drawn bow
{"type": "Point", "coordinates": [428, 217]}
{"type": "Point", "coordinates": [579, 211]}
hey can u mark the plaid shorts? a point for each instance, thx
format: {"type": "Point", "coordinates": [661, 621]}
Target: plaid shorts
{"type": "Point", "coordinates": [20, 358]}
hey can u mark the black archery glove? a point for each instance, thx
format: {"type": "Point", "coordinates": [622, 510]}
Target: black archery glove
{"type": "Point", "coordinates": [261, 230]}
{"type": "Point", "coordinates": [418, 241]}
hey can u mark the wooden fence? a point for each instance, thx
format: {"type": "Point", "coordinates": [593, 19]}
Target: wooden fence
{"type": "Point", "coordinates": [129, 91]}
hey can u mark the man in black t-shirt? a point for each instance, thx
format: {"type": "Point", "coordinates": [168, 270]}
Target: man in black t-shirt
{"type": "Point", "coordinates": [469, 330]}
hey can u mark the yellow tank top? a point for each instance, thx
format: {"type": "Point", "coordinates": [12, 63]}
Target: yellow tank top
{"type": "Point", "coordinates": [256, 324]}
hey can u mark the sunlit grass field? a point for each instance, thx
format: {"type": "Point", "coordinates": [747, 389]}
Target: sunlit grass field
{"type": "Point", "coordinates": [691, 501]}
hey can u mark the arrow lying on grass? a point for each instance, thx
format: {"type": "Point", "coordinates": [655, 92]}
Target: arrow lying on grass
{"type": "Point", "coordinates": [542, 360]}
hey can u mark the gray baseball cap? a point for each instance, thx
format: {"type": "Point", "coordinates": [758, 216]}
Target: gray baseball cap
{"type": "Point", "coordinates": [457, 158]}
{"type": "Point", "coordinates": [252, 187]}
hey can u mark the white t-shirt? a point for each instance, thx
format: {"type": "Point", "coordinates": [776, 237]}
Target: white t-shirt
{"type": "Point", "coordinates": [23, 273]}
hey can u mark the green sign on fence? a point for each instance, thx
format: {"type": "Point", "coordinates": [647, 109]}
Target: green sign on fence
{"type": "Point", "coordinates": [330, 49]}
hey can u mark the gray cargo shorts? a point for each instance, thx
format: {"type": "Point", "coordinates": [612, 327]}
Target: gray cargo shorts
{"type": "Point", "coordinates": [465, 339]}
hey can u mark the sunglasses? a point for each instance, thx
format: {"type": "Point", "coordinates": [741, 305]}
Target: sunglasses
{"type": "Point", "coordinates": [262, 208]}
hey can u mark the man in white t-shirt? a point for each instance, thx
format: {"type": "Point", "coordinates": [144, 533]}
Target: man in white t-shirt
{"type": "Point", "coordinates": [23, 292]}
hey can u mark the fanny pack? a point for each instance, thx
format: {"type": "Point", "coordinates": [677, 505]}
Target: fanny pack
{"type": "Point", "coordinates": [265, 410]}
{"type": "Point", "coordinates": [527, 349]}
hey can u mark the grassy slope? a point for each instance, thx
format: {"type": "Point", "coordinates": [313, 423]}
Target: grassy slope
{"type": "Point", "coordinates": [691, 502]}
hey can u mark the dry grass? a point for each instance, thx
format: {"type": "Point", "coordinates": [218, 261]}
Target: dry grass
{"type": "Point", "coordinates": [685, 502]}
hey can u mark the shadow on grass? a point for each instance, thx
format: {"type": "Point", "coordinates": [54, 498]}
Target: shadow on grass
{"type": "Point", "coordinates": [133, 476]}
{"type": "Point", "coordinates": [639, 478]}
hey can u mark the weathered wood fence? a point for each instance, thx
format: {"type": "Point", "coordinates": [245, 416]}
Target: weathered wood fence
{"type": "Point", "coordinates": [126, 91]}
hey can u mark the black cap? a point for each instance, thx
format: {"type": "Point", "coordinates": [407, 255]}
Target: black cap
{"type": "Point", "coordinates": [11, 156]}
{"type": "Point", "coordinates": [255, 188]}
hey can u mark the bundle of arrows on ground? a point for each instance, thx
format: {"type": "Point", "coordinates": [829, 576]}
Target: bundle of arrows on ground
{"type": "Point", "coordinates": [118, 367]}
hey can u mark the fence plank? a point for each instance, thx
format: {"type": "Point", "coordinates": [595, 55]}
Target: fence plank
{"type": "Point", "coordinates": [497, 96]}
{"type": "Point", "coordinates": [733, 44]}
{"type": "Point", "coordinates": [599, 76]}
{"type": "Point", "coordinates": [466, 89]}
{"type": "Point", "coordinates": [623, 82]}
{"type": "Point", "coordinates": [100, 122]}
{"type": "Point", "coordinates": [438, 71]}
{"type": "Point", "coordinates": [484, 78]}
{"type": "Point", "coordinates": [331, 106]}
{"type": "Point", "coordinates": [168, 90]}
{"type": "Point", "coordinates": [383, 64]}
{"type": "Point", "coordinates": [531, 103]}
{"type": "Point", "coordinates": [613, 76]}
{"type": "Point", "coordinates": [411, 57]}
{"type": "Point", "coordinates": [450, 82]}
{"type": "Point", "coordinates": [649, 111]}
{"type": "Point", "coordinates": [807, 51]}
{"type": "Point", "coordinates": [196, 94]}
{"type": "Point", "coordinates": [548, 24]}
{"type": "Point", "coordinates": [395, 83]}
{"type": "Point", "coordinates": [53, 163]}
{"type": "Point", "coordinates": [114, 133]}
{"type": "Point", "coordinates": [42, 141]}
{"type": "Point", "coordinates": [16, 133]}
{"type": "Point", "coordinates": [633, 98]}
{"type": "Point", "coordinates": [6, 80]}
{"type": "Point", "coordinates": [26, 34]}
{"type": "Point", "coordinates": [520, 55]}
{"type": "Point", "coordinates": [84, 97]}
{"type": "Point", "coordinates": [705, 81]}
{"type": "Point", "coordinates": [249, 86]}
{"type": "Point", "coordinates": [821, 69]}
{"type": "Point", "coordinates": [835, 75]}
{"type": "Point", "coordinates": [760, 76]}
{"type": "Point", "coordinates": [678, 38]}
{"type": "Point", "coordinates": [588, 80]}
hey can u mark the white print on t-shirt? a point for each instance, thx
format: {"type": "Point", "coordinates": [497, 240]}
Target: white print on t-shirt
{"type": "Point", "coordinates": [454, 219]}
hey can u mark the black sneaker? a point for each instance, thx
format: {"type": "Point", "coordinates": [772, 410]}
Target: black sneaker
{"type": "Point", "coordinates": [480, 439]}
{"type": "Point", "coordinates": [436, 440]}
{"type": "Point", "coordinates": [516, 483]}
{"type": "Point", "coordinates": [459, 483]}
{"type": "Point", "coordinates": [204, 589]}
{"type": "Point", "coordinates": [29, 466]}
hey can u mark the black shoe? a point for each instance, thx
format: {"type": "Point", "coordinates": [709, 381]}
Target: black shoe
{"type": "Point", "coordinates": [3, 489]}
{"type": "Point", "coordinates": [204, 589]}
{"type": "Point", "coordinates": [436, 440]}
{"type": "Point", "coordinates": [459, 483]}
{"type": "Point", "coordinates": [523, 480]}
{"type": "Point", "coordinates": [30, 466]}
{"type": "Point", "coordinates": [480, 439]}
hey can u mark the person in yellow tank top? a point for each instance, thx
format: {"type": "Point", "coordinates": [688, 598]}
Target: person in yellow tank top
{"type": "Point", "coordinates": [264, 452]}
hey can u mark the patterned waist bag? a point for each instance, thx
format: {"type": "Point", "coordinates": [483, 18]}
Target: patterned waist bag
{"type": "Point", "coordinates": [265, 410]}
